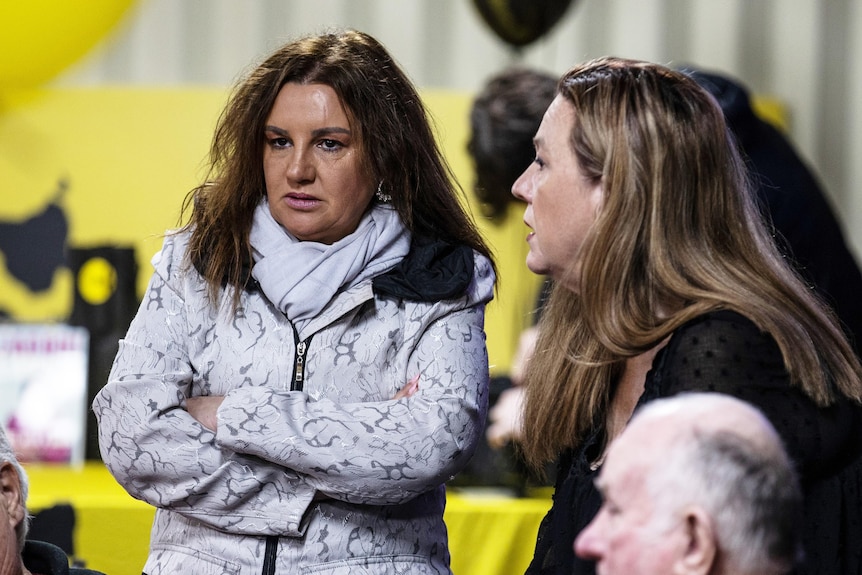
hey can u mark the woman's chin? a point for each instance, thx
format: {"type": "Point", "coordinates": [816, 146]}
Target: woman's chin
{"type": "Point", "coordinates": [537, 269]}
{"type": "Point", "coordinates": [537, 264]}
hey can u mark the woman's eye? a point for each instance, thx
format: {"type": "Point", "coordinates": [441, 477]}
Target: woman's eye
{"type": "Point", "coordinates": [539, 162]}
{"type": "Point", "coordinates": [330, 145]}
{"type": "Point", "coordinates": [278, 142]}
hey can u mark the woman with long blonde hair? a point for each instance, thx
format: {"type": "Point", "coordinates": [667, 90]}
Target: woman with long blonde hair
{"type": "Point", "coordinates": [667, 280]}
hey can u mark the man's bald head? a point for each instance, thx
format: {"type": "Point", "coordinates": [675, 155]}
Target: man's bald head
{"type": "Point", "coordinates": [710, 462]}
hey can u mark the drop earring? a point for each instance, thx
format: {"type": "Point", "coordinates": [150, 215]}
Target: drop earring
{"type": "Point", "coordinates": [382, 197]}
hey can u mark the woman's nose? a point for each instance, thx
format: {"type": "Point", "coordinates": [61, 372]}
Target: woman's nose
{"type": "Point", "coordinates": [300, 166]}
{"type": "Point", "coordinates": [520, 189]}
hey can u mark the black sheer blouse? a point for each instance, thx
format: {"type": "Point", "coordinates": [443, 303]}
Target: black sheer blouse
{"type": "Point", "coordinates": [725, 352]}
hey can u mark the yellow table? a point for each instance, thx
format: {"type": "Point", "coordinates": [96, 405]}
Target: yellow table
{"type": "Point", "coordinates": [488, 534]}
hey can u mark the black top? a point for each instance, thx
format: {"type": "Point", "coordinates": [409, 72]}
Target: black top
{"type": "Point", "coordinates": [48, 559]}
{"type": "Point", "coordinates": [806, 227]}
{"type": "Point", "coordinates": [725, 352]}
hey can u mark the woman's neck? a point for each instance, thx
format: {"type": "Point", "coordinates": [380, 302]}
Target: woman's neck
{"type": "Point", "coordinates": [627, 392]}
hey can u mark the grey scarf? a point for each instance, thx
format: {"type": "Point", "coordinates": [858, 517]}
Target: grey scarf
{"type": "Point", "coordinates": [300, 278]}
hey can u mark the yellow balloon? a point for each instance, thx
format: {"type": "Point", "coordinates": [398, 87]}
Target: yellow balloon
{"type": "Point", "coordinates": [41, 38]}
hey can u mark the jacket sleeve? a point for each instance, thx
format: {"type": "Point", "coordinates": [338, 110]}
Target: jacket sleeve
{"type": "Point", "coordinates": [383, 452]}
{"type": "Point", "coordinates": [158, 452]}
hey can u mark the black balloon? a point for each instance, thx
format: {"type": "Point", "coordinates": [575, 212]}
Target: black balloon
{"type": "Point", "coordinates": [520, 22]}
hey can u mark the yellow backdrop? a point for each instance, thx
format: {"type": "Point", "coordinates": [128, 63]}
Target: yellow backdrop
{"type": "Point", "coordinates": [489, 534]}
{"type": "Point", "coordinates": [120, 161]}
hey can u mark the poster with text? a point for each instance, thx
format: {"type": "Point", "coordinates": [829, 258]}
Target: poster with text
{"type": "Point", "coordinates": [43, 390]}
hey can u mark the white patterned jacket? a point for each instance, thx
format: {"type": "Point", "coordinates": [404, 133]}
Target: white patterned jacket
{"type": "Point", "coordinates": [332, 477]}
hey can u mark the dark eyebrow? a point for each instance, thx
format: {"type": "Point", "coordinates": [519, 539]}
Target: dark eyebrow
{"type": "Point", "coordinates": [316, 133]}
{"type": "Point", "coordinates": [326, 131]}
{"type": "Point", "coordinates": [275, 130]}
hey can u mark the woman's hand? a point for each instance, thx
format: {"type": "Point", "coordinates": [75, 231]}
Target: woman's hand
{"type": "Point", "coordinates": [505, 420]}
{"type": "Point", "coordinates": [409, 388]}
{"type": "Point", "coordinates": [203, 409]}
{"type": "Point", "coordinates": [526, 347]}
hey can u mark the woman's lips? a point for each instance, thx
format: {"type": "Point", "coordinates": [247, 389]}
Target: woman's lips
{"type": "Point", "coordinates": [301, 201]}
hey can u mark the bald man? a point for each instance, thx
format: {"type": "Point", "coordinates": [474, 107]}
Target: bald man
{"type": "Point", "coordinates": [696, 484]}
{"type": "Point", "coordinates": [19, 556]}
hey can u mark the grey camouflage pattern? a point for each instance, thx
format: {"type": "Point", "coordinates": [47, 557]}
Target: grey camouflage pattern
{"type": "Point", "coordinates": [381, 463]}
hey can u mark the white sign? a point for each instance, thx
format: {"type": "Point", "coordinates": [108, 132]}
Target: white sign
{"type": "Point", "coordinates": [43, 390]}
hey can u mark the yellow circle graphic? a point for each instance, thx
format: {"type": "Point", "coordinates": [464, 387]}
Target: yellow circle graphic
{"type": "Point", "coordinates": [97, 281]}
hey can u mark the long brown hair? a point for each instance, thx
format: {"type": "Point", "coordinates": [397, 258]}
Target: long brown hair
{"type": "Point", "coordinates": [396, 137]}
{"type": "Point", "coordinates": [679, 234]}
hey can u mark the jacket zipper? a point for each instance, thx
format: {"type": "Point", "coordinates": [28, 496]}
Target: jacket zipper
{"type": "Point", "coordinates": [269, 555]}
{"type": "Point", "coordinates": [295, 385]}
{"type": "Point", "coordinates": [299, 364]}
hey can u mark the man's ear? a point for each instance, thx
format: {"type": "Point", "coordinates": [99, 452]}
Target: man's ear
{"type": "Point", "coordinates": [700, 554]}
{"type": "Point", "coordinates": [10, 493]}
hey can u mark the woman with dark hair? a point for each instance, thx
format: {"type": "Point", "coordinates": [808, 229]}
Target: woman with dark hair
{"type": "Point", "coordinates": [308, 366]}
{"type": "Point", "coordinates": [667, 280]}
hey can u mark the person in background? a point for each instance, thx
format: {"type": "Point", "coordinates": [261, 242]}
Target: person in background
{"type": "Point", "coordinates": [793, 202]}
{"type": "Point", "coordinates": [666, 279]}
{"type": "Point", "coordinates": [308, 366]}
{"type": "Point", "coordinates": [696, 484]}
{"type": "Point", "coordinates": [18, 555]}
{"type": "Point", "coordinates": [504, 117]}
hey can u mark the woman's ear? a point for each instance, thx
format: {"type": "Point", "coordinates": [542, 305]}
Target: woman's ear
{"type": "Point", "coordinates": [10, 493]}
{"type": "Point", "coordinates": [701, 548]}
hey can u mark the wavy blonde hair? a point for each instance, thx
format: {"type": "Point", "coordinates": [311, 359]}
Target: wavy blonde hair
{"type": "Point", "coordinates": [679, 231]}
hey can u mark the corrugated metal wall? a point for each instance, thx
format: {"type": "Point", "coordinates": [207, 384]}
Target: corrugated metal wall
{"type": "Point", "coordinates": [804, 52]}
